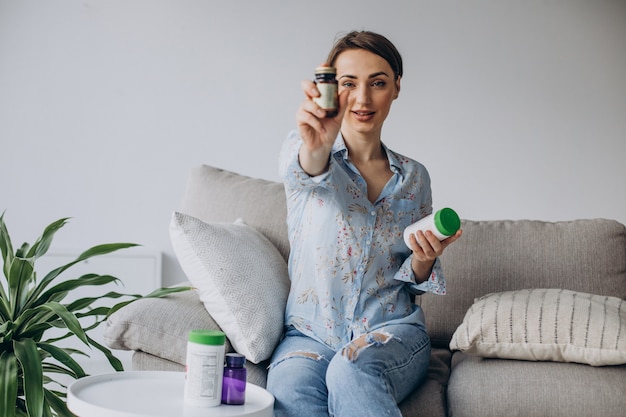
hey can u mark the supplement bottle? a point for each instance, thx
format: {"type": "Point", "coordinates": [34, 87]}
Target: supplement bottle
{"type": "Point", "coordinates": [204, 368]}
{"type": "Point", "coordinates": [328, 88]}
{"type": "Point", "coordinates": [234, 386]}
{"type": "Point", "coordinates": [443, 223]}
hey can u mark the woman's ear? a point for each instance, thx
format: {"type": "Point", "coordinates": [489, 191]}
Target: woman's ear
{"type": "Point", "coordinates": [397, 88]}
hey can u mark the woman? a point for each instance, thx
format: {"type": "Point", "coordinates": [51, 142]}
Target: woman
{"type": "Point", "coordinates": [355, 343]}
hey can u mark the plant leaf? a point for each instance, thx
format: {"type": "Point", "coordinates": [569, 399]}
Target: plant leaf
{"type": "Point", "coordinates": [6, 332]}
{"type": "Point", "coordinates": [5, 311]}
{"type": "Point", "coordinates": [83, 303]}
{"type": "Point", "coordinates": [158, 293]}
{"type": "Point", "coordinates": [6, 247]}
{"type": "Point", "coordinates": [20, 277]}
{"type": "Point", "coordinates": [21, 411]}
{"type": "Point", "coordinates": [22, 250]}
{"type": "Point", "coordinates": [39, 319]}
{"type": "Point", "coordinates": [58, 405]}
{"type": "Point", "coordinates": [70, 320]}
{"type": "Point", "coordinates": [54, 368]}
{"type": "Point", "coordinates": [71, 351]}
{"type": "Point", "coordinates": [42, 244]}
{"type": "Point", "coordinates": [35, 330]}
{"type": "Point", "coordinates": [28, 356]}
{"type": "Point", "coordinates": [8, 383]}
{"type": "Point", "coordinates": [59, 291]}
{"type": "Point", "coordinates": [42, 316]}
{"type": "Point", "coordinates": [115, 363]}
{"type": "Point", "coordinates": [56, 339]}
{"type": "Point", "coordinates": [94, 251]}
{"type": "Point", "coordinates": [62, 356]}
{"type": "Point", "coordinates": [94, 313]}
{"type": "Point", "coordinates": [46, 408]}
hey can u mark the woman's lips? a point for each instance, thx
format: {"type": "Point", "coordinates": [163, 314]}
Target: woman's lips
{"type": "Point", "coordinates": [363, 116]}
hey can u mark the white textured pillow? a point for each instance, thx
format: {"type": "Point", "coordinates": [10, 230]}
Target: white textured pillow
{"type": "Point", "coordinates": [545, 325]}
{"type": "Point", "coordinates": [241, 278]}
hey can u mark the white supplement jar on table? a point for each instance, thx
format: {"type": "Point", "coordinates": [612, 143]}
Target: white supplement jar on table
{"type": "Point", "coordinates": [204, 368]}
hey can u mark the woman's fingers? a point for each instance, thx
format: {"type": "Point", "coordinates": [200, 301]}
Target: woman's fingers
{"type": "Point", "coordinates": [309, 114]}
{"type": "Point", "coordinates": [309, 88]}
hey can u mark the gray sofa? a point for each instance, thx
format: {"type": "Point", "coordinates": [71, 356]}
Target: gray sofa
{"type": "Point", "coordinates": [583, 259]}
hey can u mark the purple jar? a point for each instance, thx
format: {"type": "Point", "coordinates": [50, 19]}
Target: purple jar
{"type": "Point", "coordinates": [234, 383]}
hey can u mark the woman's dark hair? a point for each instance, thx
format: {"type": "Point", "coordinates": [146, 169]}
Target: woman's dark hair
{"type": "Point", "coordinates": [372, 42]}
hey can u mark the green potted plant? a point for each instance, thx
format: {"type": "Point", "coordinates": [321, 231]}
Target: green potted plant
{"type": "Point", "coordinates": [31, 305]}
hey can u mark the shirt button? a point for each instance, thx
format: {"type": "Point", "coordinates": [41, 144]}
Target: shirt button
{"type": "Point", "coordinates": [373, 212]}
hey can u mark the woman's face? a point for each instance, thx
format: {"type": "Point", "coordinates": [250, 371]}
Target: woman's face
{"type": "Point", "coordinates": [371, 87]}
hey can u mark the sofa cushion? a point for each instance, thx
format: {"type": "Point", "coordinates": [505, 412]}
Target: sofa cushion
{"type": "Point", "coordinates": [429, 400]}
{"type": "Point", "coordinates": [241, 278]}
{"type": "Point", "coordinates": [494, 256]}
{"type": "Point", "coordinates": [215, 195]}
{"type": "Point", "coordinates": [545, 325]}
{"type": "Point", "coordinates": [159, 326]}
{"type": "Point", "coordinates": [500, 387]}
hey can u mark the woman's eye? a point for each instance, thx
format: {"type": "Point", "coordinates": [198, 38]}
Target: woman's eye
{"type": "Point", "coordinates": [379, 84]}
{"type": "Point", "coordinates": [347, 84]}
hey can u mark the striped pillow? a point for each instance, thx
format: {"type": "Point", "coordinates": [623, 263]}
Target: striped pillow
{"type": "Point", "coordinates": [545, 325]}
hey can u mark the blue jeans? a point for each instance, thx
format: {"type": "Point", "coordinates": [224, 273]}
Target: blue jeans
{"type": "Point", "coordinates": [367, 377]}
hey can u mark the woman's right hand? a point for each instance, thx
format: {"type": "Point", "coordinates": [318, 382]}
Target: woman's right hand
{"type": "Point", "coordinates": [317, 131]}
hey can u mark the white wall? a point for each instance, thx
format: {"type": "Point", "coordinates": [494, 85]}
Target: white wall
{"type": "Point", "coordinates": [518, 108]}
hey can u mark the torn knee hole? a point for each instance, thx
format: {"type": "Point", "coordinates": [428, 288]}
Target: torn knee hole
{"type": "Point", "coordinates": [303, 354]}
{"type": "Point", "coordinates": [351, 352]}
{"type": "Point", "coordinates": [297, 354]}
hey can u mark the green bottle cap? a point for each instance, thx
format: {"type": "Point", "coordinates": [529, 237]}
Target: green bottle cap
{"type": "Point", "coordinates": [207, 337]}
{"type": "Point", "coordinates": [447, 221]}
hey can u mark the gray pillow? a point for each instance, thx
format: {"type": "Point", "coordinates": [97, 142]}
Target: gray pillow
{"type": "Point", "coordinates": [159, 326]}
{"type": "Point", "coordinates": [241, 278]}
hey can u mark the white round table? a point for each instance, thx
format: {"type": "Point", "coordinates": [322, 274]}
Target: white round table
{"type": "Point", "coordinates": [154, 394]}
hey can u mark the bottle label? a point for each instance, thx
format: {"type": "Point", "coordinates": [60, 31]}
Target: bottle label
{"type": "Point", "coordinates": [202, 369]}
{"type": "Point", "coordinates": [328, 98]}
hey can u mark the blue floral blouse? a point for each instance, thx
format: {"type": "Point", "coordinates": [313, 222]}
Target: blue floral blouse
{"type": "Point", "coordinates": [349, 266]}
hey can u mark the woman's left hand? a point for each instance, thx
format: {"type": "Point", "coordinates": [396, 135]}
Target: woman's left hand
{"type": "Point", "coordinates": [426, 248]}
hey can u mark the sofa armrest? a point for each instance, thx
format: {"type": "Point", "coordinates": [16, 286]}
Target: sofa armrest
{"type": "Point", "coordinates": [159, 326]}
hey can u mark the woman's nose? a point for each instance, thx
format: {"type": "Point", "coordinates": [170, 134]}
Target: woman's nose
{"type": "Point", "coordinates": [362, 95]}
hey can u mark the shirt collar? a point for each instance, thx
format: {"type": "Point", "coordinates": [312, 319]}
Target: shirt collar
{"type": "Point", "coordinates": [340, 146]}
{"type": "Point", "coordinates": [340, 149]}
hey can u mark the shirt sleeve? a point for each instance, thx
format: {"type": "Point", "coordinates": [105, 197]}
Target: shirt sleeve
{"type": "Point", "coordinates": [290, 169]}
{"type": "Point", "coordinates": [436, 282]}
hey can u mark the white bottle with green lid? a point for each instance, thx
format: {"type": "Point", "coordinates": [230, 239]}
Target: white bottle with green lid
{"type": "Point", "coordinates": [204, 368]}
{"type": "Point", "coordinates": [443, 223]}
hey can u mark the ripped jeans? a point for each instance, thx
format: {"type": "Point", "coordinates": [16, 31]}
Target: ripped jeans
{"type": "Point", "coordinates": [368, 377]}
